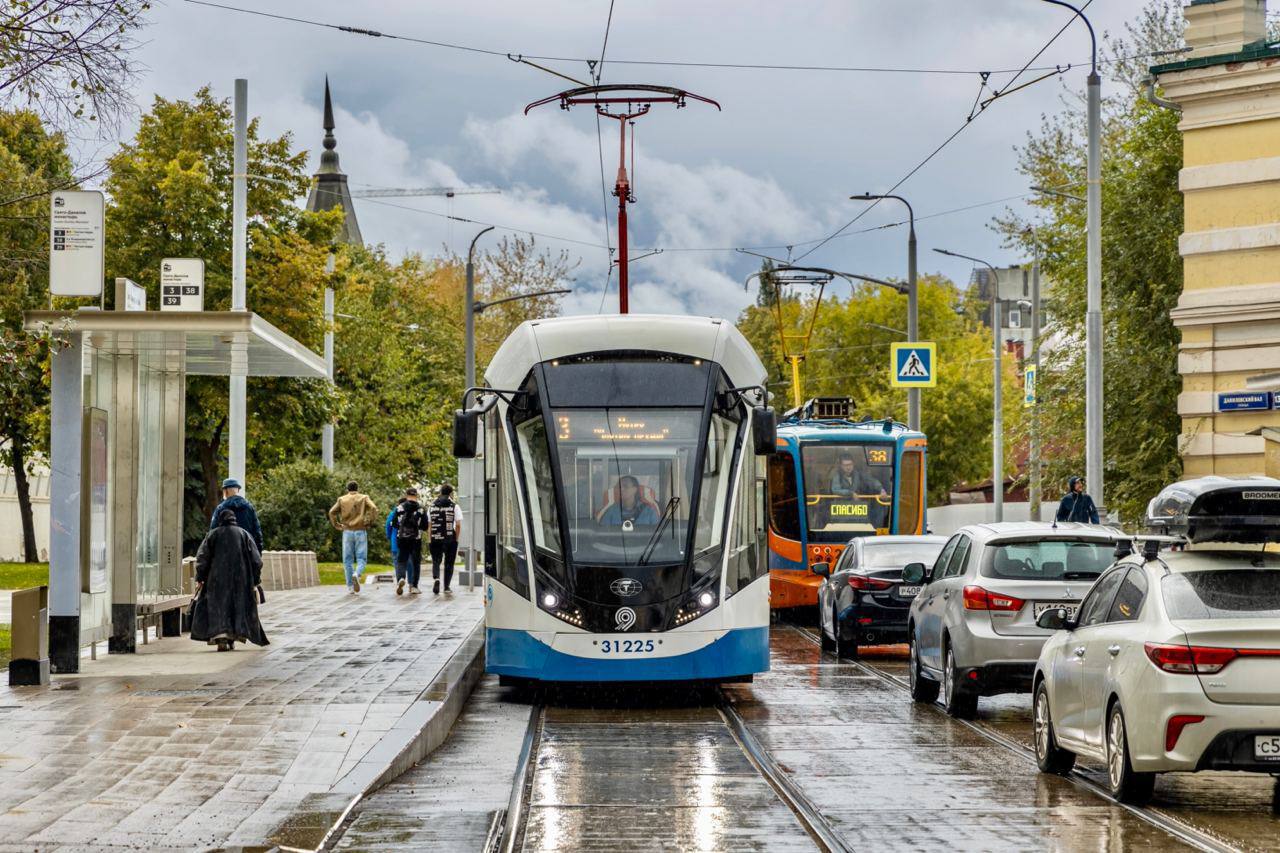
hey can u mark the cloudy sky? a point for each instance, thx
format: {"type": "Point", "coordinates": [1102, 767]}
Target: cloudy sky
{"type": "Point", "coordinates": [773, 169]}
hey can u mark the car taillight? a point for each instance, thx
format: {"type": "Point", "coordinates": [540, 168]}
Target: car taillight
{"type": "Point", "coordinates": [1177, 723]}
{"type": "Point", "coordinates": [865, 583]}
{"type": "Point", "coordinates": [977, 598]}
{"type": "Point", "coordinates": [1190, 660]}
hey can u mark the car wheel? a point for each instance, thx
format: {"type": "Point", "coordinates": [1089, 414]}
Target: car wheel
{"type": "Point", "coordinates": [1049, 756]}
{"type": "Point", "coordinates": [1126, 784]}
{"type": "Point", "coordinates": [923, 689]}
{"type": "Point", "coordinates": [959, 701]}
{"type": "Point", "coordinates": [844, 648]}
{"type": "Point", "coordinates": [828, 644]}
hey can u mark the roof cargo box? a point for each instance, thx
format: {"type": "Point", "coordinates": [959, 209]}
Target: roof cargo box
{"type": "Point", "coordinates": [1218, 509]}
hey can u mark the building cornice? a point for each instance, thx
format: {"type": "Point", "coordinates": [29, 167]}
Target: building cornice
{"type": "Point", "coordinates": [1238, 304]}
{"type": "Point", "coordinates": [1225, 92]}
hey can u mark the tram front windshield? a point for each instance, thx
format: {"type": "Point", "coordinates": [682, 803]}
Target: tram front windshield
{"type": "Point", "coordinates": [629, 477]}
{"type": "Point", "coordinates": [848, 489]}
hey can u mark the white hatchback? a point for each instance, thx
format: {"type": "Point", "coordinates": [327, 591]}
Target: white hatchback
{"type": "Point", "coordinates": [1172, 663]}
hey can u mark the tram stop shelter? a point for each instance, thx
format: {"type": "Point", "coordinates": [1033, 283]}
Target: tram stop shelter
{"type": "Point", "coordinates": [118, 462]}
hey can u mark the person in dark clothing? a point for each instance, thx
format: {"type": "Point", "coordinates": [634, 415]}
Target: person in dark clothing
{"type": "Point", "coordinates": [409, 522]}
{"type": "Point", "coordinates": [446, 525]}
{"type": "Point", "coordinates": [246, 515]}
{"type": "Point", "coordinates": [1076, 505]}
{"type": "Point", "coordinates": [228, 584]}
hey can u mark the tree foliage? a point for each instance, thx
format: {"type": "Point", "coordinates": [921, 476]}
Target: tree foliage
{"type": "Point", "coordinates": [1141, 276]}
{"type": "Point", "coordinates": [69, 59]}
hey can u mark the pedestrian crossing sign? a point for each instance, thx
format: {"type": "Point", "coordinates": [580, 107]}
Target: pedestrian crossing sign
{"type": "Point", "coordinates": [913, 365]}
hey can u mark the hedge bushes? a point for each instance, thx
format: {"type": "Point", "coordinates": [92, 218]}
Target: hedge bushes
{"type": "Point", "coordinates": [293, 503]}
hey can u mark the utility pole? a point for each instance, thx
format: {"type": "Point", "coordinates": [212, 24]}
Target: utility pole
{"type": "Point", "coordinates": [236, 407]}
{"type": "Point", "coordinates": [1093, 395]}
{"type": "Point", "coordinates": [913, 316]}
{"type": "Point", "coordinates": [1035, 484]}
{"type": "Point", "coordinates": [997, 409]}
{"type": "Point", "coordinates": [326, 432]}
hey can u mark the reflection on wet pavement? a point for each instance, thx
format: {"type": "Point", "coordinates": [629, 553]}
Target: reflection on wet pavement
{"type": "Point", "coordinates": [651, 769]}
{"type": "Point", "coordinates": [891, 775]}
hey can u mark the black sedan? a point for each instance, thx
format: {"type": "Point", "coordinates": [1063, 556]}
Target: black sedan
{"type": "Point", "coordinates": [862, 600]}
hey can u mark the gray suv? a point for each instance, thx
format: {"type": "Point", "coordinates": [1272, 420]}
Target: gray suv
{"type": "Point", "coordinates": [972, 628]}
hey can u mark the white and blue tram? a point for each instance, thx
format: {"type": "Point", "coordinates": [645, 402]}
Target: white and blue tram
{"type": "Point", "coordinates": [624, 495]}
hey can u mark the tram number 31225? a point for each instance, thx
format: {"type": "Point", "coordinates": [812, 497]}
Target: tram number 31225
{"type": "Point", "coordinates": [625, 646]}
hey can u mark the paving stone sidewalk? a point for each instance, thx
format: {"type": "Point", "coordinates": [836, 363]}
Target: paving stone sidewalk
{"type": "Point", "coordinates": [182, 748]}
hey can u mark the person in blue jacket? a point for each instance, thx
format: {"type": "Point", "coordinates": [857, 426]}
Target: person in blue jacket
{"type": "Point", "coordinates": [391, 530]}
{"type": "Point", "coordinates": [246, 515]}
{"type": "Point", "coordinates": [1076, 505]}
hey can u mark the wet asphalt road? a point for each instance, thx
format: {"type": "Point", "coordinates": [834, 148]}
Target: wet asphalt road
{"type": "Point", "coordinates": [659, 769]}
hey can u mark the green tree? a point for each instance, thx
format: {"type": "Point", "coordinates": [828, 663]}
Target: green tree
{"type": "Point", "coordinates": [1141, 276]}
{"type": "Point", "coordinates": [170, 196]}
{"type": "Point", "coordinates": [32, 161]}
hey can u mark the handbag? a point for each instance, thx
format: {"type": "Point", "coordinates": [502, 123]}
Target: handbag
{"type": "Point", "coordinates": [262, 596]}
{"type": "Point", "coordinates": [191, 608]}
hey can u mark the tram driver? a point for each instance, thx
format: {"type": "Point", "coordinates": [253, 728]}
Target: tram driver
{"type": "Point", "coordinates": [849, 481]}
{"type": "Point", "coordinates": [629, 507]}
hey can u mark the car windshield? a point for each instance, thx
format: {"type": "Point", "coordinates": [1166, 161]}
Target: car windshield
{"type": "Point", "coordinates": [1222, 594]}
{"type": "Point", "coordinates": [1048, 559]}
{"type": "Point", "coordinates": [895, 555]}
{"type": "Point", "coordinates": [848, 489]}
{"type": "Point", "coordinates": [629, 478]}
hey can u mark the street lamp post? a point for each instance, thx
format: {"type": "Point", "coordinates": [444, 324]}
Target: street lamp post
{"type": "Point", "coordinates": [913, 325]}
{"type": "Point", "coordinates": [1035, 485]}
{"type": "Point", "coordinates": [997, 413]}
{"type": "Point", "coordinates": [326, 432]}
{"type": "Point", "coordinates": [1093, 313]}
{"type": "Point", "coordinates": [474, 307]}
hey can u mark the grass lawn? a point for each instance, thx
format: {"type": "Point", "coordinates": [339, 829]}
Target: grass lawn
{"type": "Point", "coordinates": [6, 646]}
{"type": "Point", "coordinates": [23, 575]}
{"type": "Point", "coordinates": [331, 574]}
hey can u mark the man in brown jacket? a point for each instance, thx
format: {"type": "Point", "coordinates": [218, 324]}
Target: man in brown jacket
{"type": "Point", "coordinates": [353, 514]}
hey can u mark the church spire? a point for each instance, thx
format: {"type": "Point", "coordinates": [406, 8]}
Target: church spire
{"type": "Point", "coordinates": [329, 189]}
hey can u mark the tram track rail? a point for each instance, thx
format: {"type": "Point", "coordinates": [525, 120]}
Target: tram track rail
{"type": "Point", "coordinates": [506, 833]}
{"type": "Point", "coordinates": [1183, 832]}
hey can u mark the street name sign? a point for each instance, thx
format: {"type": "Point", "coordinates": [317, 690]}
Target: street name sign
{"type": "Point", "coordinates": [77, 235]}
{"type": "Point", "coordinates": [1029, 387]}
{"type": "Point", "coordinates": [1244, 401]}
{"type": "Point", "coordinates": [182, 284]}
{"type": "Point", "coordinates": [912, 365]}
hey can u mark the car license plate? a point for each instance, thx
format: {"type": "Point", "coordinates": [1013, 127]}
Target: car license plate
{"type": "Point", "coordinates": [1266, 747]}
{"type": "Point", "coordinates": [908, 591]}
{"type": "Point", "coordinates": [1071, 608]}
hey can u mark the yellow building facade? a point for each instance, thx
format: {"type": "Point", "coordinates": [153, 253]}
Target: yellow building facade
{"type": "Point", "coordinates": [1228, 89]}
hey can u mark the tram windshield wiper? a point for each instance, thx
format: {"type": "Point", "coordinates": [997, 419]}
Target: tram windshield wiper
{"type": "Point", "coordinates": [667, 514]}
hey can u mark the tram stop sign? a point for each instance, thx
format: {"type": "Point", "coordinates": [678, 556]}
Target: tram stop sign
{"type": "Point", "coordinates": [913, 365]}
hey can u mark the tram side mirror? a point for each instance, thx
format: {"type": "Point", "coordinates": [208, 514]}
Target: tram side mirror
{"type": "Point", "coordinates": [466, 433]}
{"type": "Point", "coordinates": [822, 570]}
{"type": "Point", "coordinates": [764, 430]}
{"type": "Point", "coordinates": [913, 573]}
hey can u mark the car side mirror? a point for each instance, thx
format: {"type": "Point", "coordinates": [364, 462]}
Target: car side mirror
{"type": "Point", "coordinates": [1055, 619]}
{"type": "Point", "coordinates": [822, 570]}
{"type": "Point", "coordinates": [466, 433]}
{"type": "Point", "coordinates": [913, 573]}
{"type": "Point", "coordinates": [764, 430]}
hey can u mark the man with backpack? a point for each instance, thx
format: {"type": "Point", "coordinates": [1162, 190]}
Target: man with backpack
{"type": "Point", "coordinates": [354, 513]}
{"type": "Point", "coordinates": [409, 522]}
{"type": "Point", "coordinates": [446, 526]}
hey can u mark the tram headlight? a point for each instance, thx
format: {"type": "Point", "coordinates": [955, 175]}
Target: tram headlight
{"type": "Point", "coordinates": [706, 599]}
{"type": "Point", "coordinates": [550, 600]}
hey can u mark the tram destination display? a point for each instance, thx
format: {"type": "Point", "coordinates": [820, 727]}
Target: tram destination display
{"type": "Point", "coordinates": [182, 284]}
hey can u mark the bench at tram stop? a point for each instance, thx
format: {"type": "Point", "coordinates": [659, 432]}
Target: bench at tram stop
{"type": "Point", "coordinates": [29, 664]}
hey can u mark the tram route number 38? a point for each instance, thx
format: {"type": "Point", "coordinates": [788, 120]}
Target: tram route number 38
{"type": "Point", "coordinates": [625, 646]}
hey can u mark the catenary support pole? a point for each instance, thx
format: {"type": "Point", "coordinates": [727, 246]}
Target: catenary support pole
{"type": "Point", "coordinates": [1093, 329]}
{"type": "Point", "coordinates": [236, 408]}
{"type": "Point", "coordinates": [1035, 484]}
{"type": "Point", "coordinates": [326, 432]}
{"type": "Point", "coordinates": [997, 410]}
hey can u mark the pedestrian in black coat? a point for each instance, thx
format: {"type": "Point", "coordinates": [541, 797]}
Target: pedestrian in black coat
{"type": "Point", "coordinates": [1076, 505]}
{"type": "Point", "coordinates": [228, 579]}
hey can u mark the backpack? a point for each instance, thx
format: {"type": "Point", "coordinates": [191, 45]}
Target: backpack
{"type": "Point", "coordinates": [442, 521]}
{"type": "Point", "coordinates": [409, 525]}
